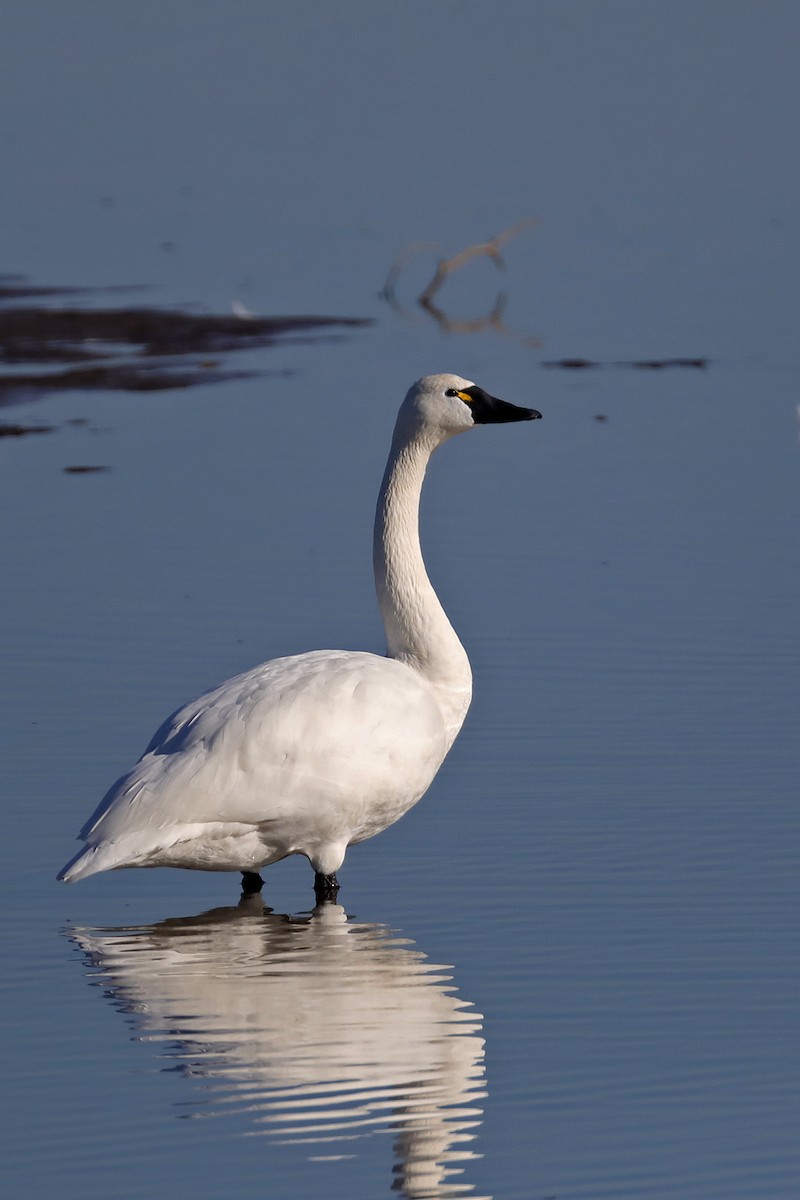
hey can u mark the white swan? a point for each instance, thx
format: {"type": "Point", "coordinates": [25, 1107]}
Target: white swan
{"type": "Point", "coordinates": [308, 754]}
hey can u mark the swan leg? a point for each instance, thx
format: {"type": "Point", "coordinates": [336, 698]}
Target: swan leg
{"type": "Point", "coordinates": [251, 883]}
{"type": "Point", "coordinates": [326, 888]}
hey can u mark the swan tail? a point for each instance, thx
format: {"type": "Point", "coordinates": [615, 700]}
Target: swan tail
{"type": "Point", "coordinates": [88, 861]}
{"type": "Point", "coordinates": [105, 856]}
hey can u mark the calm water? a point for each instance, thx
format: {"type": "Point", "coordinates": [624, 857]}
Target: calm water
{"type": "Point", "coordinates": [572, 970]}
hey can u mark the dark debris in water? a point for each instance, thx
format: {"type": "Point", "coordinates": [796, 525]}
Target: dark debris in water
{"type": "Point", "coordinates": [30, 334]}
{"type": "Point", "coordinates": [134, 349]}
{"type": "Point", "coordinates": [642, 364]}
{"type": "Point", "coordinates": [658, 364]}
{"type": "Point", "coordinates": [122, 377]}
{"type": "Point", "coordinates": [14, 287]}
{"type": "Point", "coordinates": [11, 430]}
{"type": "Point", "coordinates": [81, 470]}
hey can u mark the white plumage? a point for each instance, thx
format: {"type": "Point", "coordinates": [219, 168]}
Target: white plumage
{"type": "Point", "coordinates": [309, 754]}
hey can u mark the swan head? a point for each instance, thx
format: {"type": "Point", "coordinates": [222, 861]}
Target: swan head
{"type": "Point", "coordinates": [445, 405]}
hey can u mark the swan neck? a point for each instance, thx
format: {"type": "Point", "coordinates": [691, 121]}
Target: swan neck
{"type": "Point", "coordinates": [418, 631]}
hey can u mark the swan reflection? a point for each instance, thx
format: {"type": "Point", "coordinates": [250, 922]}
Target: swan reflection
{"type": "Point", "coordinates": [312, 1029]}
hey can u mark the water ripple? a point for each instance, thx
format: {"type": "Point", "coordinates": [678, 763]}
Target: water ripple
{"type": "Point", "coordinates": [317, 1030]}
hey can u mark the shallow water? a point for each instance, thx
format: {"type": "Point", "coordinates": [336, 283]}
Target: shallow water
{"type": "Point", "coordinates": [606, 867]}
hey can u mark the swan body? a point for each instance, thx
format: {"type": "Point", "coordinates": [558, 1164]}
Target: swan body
{"type": "Point", "coordinates": [312, 753]}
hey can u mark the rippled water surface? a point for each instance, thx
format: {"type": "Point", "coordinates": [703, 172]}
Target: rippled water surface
{"type": "Point", "coordinates": [312, 1030]}
{"type": "Point", "coordinates": [572, 970]}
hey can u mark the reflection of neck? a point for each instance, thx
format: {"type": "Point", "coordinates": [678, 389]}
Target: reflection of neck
{"type": "Point", "coordinates": [417, 629]}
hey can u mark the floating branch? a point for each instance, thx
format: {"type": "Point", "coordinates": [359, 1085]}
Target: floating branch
{"type": "Point", "coordinates": [399, 265]}
{"type": "Point", "coordinates": [491, 249]}
{"type": "Point", "coordinates": [447, 267]}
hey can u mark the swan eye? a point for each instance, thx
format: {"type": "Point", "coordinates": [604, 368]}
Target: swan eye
{"type": "Point", "coordinates": [465, 396]}
{"type": "Point", "coordinates": [451, 392]}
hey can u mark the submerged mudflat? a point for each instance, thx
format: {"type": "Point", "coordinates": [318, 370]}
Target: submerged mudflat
{"type": "Point", "coordinates": [48, 347]}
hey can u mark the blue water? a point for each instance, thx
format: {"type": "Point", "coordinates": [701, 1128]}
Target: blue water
{"type": "Point", "coordinates": [605, 869]}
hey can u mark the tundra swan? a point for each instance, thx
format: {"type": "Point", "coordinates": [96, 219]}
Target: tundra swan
{"type": "Point", "coordinates": [309, 754]}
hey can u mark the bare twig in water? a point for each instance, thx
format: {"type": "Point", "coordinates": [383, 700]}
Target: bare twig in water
{"type": "Point", "coordinates": [491, 249]}
{"type": "Point", "coordinates": [400, 264]}
{"type": "Point", "coordinates": [493, 320]}
{"type": "Point", "coordinates": [448, 266]}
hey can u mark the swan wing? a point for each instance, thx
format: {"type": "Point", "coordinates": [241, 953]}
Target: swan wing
{"type": "Point", "coordinates": [332, 745]}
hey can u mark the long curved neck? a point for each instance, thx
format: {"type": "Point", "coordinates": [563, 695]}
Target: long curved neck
{"type": "Point", "coordinates": [418, 632]}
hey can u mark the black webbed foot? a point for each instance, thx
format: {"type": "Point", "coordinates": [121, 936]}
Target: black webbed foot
{"type": "Point", "coordinates": [326, 888]}
{"type": "Point", "coordinates": [251, 883]}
